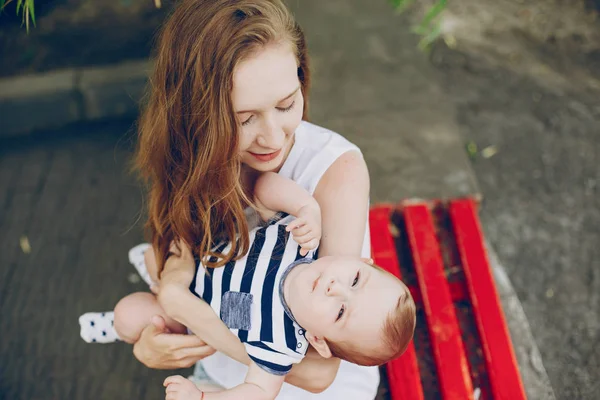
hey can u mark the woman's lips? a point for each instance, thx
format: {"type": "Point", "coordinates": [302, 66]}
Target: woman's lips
{"type": "Point", "coordinates": [266, 157]}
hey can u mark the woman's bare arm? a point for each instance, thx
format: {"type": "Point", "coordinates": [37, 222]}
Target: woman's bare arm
{"type": "Point", "coordinates": [343, 195]}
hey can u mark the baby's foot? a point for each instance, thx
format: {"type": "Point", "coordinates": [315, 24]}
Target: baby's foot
{"type": "Point", "coordinates": [136, 257]}
{"type": "Point", "coordinates": [98, 327]}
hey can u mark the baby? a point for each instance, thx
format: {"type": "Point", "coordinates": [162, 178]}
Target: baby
{"type": "Point", "coordinates": [276, 301]}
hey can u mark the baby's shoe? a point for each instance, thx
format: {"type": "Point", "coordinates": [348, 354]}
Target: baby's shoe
{"type": "Point", "coordinates": [136, 257]}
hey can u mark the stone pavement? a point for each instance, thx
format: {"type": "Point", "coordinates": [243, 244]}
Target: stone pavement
{"type": "Point", "coordinates": [69, 194]}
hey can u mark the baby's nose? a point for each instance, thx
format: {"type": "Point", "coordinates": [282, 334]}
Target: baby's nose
{"type": "Point", "coordinates": [333, 288]}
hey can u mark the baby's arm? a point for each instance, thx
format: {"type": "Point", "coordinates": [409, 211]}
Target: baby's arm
{"type": "Point", "coordinates": [273, 193]}
{"type": "Point", "coordinates": [181, 305]}
{"type": "Point", "coordinates": [258, 385]}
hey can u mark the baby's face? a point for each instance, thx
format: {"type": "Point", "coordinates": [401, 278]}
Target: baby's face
{"type": "Point", "coordinates": [343, 299]}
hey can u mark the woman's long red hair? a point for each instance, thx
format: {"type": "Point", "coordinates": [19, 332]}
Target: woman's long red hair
{"type": "Point", "coordinates": [188, 133]}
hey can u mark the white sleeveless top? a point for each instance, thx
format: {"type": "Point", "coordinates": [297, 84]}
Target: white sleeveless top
{"type": "Point", "coordinates": [315, 149]}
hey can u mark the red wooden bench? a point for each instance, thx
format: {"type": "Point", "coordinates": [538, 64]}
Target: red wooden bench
{"type": "Point", "coordinates": [462, 347]}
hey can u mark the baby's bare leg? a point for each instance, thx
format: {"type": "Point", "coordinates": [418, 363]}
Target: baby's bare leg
{"type": "Point", "coordinates": [134, 312]}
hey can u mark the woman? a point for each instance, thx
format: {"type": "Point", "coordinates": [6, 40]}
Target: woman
{"type": "Point", "coordinates": [228, 101]}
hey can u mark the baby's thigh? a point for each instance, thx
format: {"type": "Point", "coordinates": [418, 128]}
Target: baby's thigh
{"type": "Point", "coordinates": [133, 313]}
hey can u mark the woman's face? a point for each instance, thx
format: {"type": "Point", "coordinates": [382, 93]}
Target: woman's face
{"type": "Point", "coordinates": [269, 104]}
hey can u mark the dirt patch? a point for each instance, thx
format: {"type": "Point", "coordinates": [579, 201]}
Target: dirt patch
{"type": "Point", "coordinates": [554, 42]}
{"type": "Point", "coordinates": [73, 33]}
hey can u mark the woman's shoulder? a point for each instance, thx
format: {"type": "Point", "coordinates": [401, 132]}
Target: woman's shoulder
{"type": "Point", "coordinates": [315, 150]}
{"type": "Point", "coordinates": [317, 137]}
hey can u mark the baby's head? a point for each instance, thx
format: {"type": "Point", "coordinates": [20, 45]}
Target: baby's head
{"type": "Point", "coordinates": [351, 309]}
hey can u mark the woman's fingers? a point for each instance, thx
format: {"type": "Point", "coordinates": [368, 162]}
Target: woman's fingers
{"type": "Point", "coordinates": [186, 362]}
{"type": "Point", "coordinates": [175, 343]}
{"type": "Point", "coordinates": [198, 352]}
{"type": "Point", "coordinates": [158, 349]}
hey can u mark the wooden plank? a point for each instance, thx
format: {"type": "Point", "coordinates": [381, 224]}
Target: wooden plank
{"type": "Point", "coordinates": [444, 332]}
{"type": "Point", "coordinates": [501, 363]}
{"type": "Point", "coordinates": [404, 380]}
{"type": "Point", "coordinates": [458, 293]}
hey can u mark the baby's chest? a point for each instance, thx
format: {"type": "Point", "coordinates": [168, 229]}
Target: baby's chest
{"type": "Point", "coordinates": [237, 310]}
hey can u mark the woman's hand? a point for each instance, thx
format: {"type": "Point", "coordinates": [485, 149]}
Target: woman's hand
{"type": "Point", "coordinates": [158, 348]}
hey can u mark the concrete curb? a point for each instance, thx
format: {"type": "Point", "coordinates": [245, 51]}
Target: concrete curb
{"type": "Point", "coordinates": [55, 99]}
{"type": "Point", "coordinates": [534, 375]}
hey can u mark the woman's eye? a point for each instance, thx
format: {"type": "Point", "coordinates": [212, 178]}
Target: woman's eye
{"type": "Point", "coordinates": [246, 122]}
{"type": "Point", "coordinates": [356, 278]}
{"type": "Point", "coordinates": [340, 313]}
{"type": "Point", "coordinates": [288, 108]}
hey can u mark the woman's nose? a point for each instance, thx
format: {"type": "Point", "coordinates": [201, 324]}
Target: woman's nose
{"type": "Point", "coordinates": [271, 135]}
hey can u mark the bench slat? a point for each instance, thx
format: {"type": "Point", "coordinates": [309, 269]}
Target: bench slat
{"type": "Point", "coordinates": [444, 332]}
{"type": "Point", "coordinates": [404, 379]}
{"type": "Point", "coordinates": [501, 363]}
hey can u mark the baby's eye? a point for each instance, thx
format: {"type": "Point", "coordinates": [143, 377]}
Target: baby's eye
{"type": "Point", "coordinates": [356, 278]}
{"type": "Point", "coordinates": [340, 313]}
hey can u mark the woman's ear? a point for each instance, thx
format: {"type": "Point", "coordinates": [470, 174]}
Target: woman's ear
{"type": "Point", "coordinates": [319, 344]}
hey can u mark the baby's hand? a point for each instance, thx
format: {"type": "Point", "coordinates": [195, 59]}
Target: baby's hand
{"type": "Point", "coordinates": [306, 228]}
{"type": "Point", "coordinates": [179, 388]}
{"type": "Point", "coordinates": [180, 267]}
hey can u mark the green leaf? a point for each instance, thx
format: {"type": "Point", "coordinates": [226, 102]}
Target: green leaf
{"type": "Point", "coordinates": [428, 39]}
{"type": "Point", "coordinates": [32, 11]}
{"type": "Point", "coordinates": [19, 5]}
{"type": "Point", "coordinates": [433, 12]}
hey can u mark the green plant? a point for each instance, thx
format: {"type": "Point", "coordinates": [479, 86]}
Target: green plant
{"type": "Point", "coordinates": [429, 29]}
{"type": "Point", "coordinates": [25, 7]}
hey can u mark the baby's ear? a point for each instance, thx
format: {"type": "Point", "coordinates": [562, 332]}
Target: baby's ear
{"type": "Point", "coordinates": [319, 344]}
{"type": "Point", "coordinates": [367, 260]}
